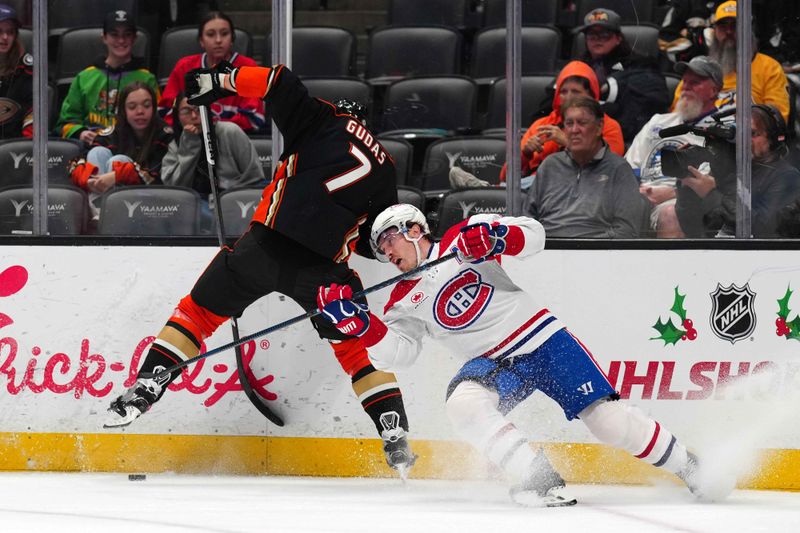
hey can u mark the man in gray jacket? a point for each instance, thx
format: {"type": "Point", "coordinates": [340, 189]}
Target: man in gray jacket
{"type": "Point", "coordinates": [586, 191]}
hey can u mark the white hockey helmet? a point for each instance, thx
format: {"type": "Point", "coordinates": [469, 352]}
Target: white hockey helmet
{"type": "Point", "coordinates": [400, 216]}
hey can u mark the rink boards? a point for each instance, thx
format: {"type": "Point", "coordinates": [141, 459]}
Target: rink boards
{"type": "Point", "coordinates": [75, 322]}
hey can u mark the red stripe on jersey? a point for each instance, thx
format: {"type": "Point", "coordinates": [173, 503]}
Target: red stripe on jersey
{"type": "Point", "coordinates": [400, 290]}
{"type": "Point", "coordinates": [649, 448]}
{"type": "Point", "coordinates": [514, 335]}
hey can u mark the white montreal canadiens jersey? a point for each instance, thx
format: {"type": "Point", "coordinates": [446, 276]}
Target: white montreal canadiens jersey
{"type": "Point", "coordinates": [473, 309]}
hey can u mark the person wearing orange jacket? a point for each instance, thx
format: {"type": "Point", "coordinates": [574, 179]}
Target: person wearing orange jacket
{"type": "Point", "coordinates": [546, 136]}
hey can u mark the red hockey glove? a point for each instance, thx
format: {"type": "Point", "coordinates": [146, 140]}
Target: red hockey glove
{"type": "Point", "coordinates": [336, 305]}
{"type": "Point", "coordinates": [479, 242]}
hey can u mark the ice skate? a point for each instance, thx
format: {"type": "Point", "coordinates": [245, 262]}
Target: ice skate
{"type": "Point", "coordinates": [131, 405]}
{"type": "Point", "coordinates": [543, 488]}
{"type": "Point", "coordinates": [704, 485]}
{"type": "Point", "coordinates": [398, 453]}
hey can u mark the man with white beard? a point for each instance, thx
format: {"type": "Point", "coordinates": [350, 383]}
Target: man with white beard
{"type": "Point", "coordinates": [769, 84]}
{"type": "Point", "coordinates": [702, 81]}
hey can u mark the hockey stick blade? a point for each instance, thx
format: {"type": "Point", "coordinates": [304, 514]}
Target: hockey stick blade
{"type": "Point", "coordinates": [210, 145]}
{"type": "Point", "coordinates": [306, 315]}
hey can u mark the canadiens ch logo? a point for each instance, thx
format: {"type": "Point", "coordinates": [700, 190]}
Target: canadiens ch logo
{"type": "Point", "coordinates": [462, 300]}
{"type": "Point", "coordinates": [733, 316]}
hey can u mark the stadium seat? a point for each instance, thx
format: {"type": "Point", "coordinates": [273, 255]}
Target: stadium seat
{"type": "Point", "coordinates": [67, 210]}
{"type": "Point", "coordinates": [404, 51]}
{"type": "Point", "coordinates": [456, 206]}
{"type": "Point", "coordinates": [79, 47]}
{"type": "Point", "coordinates": [442, 103]}
{"type": "Point", "coordinates": [533, 12]}
{"type": "Point", "coordinates": [541, 48]}
{"type": "Point", "coordinates": [26, 38]}
{"type": "Point", "coordinates": [332, 89]}
{"type": "Point", "coordinates": [480, 156]}
{"type": "Point", "coordinates": [65, 14]}
{"type": "Point", "coordinates": [416, 12]}
{"type": "Point", "coordinates": [402, 153]}
{"type": "Point", "coordinates": [150, 211]}
{"type": "Point", "coordinates": [411, 195]}
{"type": "Point", "coordinates": [631, 11]}
{"type": "Point", "coordinates": [182, 41]}
{"type": "Point", "coordinates": [238, 206]}
{"type": "Point", "coordinates": [643, 38]}
{"type": "Point", "coordinates": [534, 95]}
{"type": "Point", "coordinates": [672, 80]}
{"type": "Point", "coordinates": [263, 146]}
{"type": "Point", "coordinates": [323, 51]}
{"type": "Point", "coordinates": [16, 161]}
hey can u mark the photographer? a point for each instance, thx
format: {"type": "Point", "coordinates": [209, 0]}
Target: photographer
{"type": "Point", "coordinates": [702, 79]}
{"type": "Point", "coordinates": [707, 206]}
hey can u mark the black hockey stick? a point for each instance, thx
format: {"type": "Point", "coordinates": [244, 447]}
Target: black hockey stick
{"type": "Point", "coordinates": [210, 144]}
{"type": "Point", "coordinates": [309, 314]}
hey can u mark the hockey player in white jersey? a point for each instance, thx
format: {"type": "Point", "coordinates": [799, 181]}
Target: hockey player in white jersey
{"type": "Point", "coordinates": [512, 346]}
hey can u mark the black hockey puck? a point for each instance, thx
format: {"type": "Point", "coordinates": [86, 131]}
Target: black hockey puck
{"type": "Point", "coordinates": [137, 477]}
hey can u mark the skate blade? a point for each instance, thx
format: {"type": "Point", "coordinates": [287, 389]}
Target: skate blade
{"type": "Point", "coordinates": [114, 420]}
{"type": "Point", "coordinates": [403, 471]}
{"type": "Point", "coordinates": [529, 498]}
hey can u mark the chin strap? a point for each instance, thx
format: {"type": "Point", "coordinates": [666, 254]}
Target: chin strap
{"type": "Point", "coordinates": [415, 242]}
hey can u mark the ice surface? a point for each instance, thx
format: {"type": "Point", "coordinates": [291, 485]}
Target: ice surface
{"type": "Point", "coordinates": [45, 502]}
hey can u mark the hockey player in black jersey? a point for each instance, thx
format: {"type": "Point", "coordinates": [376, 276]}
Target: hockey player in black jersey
{"type": "Point", "coordinates": [333, 179]}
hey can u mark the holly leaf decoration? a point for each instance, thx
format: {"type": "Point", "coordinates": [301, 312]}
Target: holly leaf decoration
{"type": "Point", "coordinates": [668, 332]}
{"type": "Point", "coordinates": [783, 304]}
{"type": "Point", "coordinates": [677, 306]}
{"type": "Point", "coordinates": [794, 329]}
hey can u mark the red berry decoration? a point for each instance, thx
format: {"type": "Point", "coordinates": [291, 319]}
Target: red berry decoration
{"type": "Point", "coordinates": [688, 324]}
{"type": "Point", "coordinates": [683, 337]}
{"type": "Point", "coordinates": [692, 334]}
{"type": "Point", "coordinates": [780, 322]}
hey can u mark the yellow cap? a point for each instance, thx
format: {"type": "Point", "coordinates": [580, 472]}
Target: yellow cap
{"type": "Point", "coordinates": [725, 10]}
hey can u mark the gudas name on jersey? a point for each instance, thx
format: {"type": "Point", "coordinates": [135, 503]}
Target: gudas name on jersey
{"type": "Point", "coordinates": [365, 137]}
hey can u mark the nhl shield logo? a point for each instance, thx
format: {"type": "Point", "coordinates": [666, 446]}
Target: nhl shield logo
{"type": "Point", "coordinates": [732, 314]}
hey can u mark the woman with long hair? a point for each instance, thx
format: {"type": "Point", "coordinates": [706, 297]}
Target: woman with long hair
{"type": "Point", "coordinates": [16, 79]}
{"type": "Point", "coordinates": [216, 36]}
{"type": "Point", "coordinates": [131, 154]}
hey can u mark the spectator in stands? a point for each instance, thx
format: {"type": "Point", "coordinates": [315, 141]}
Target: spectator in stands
{"type": "Point", "coordinates": [707, 207]}
{"type": "Point", "coordinates": [631, 85]}
{"type": "Point", "coordinates": [586, 191]}
{"type": "Point", "coordinates": [702, 80]}
{"type": "Point", "coordinates": [16, 79]}
{"type": "Point", "coordinates": [769, 84]}
{"type": "Point", "coordinates": [91, 103]}
{"type": "Point", "coordinates": [216, 35]}
{"type": "Point", "coordinates": [185, 162]}
{"type": "Point", "coordinates": [546, 136]}
{"type": "Point", "coordinates": [132, 153]}
{"type": "Point", "coordinates": [682, 34]}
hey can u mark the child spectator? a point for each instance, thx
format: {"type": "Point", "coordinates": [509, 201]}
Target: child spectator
{"type": "Point", "coordinates": [132, 153]}
{"type": "Point", "coordinates": [216, 35]}
{"type": "Point", "coordinates": [16, 79]}
{"type": "Point", "coordinates": [91, 103]}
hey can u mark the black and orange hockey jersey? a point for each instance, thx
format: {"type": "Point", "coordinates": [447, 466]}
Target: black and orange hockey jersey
{"type": "Point", "coordinates": [333, 178]}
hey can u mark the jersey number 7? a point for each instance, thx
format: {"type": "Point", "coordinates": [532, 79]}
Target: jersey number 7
{"type": "Point", "coordinates": [358, 172]}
